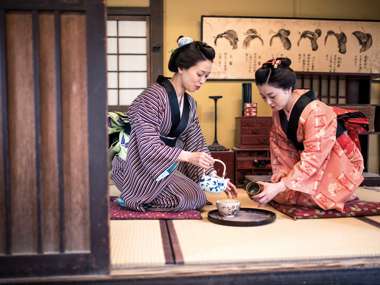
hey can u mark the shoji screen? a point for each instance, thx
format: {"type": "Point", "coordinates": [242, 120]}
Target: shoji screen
{"type": "Point", "coordinates": [127, 59]}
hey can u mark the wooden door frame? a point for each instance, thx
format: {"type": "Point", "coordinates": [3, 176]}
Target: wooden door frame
{"type": "Point", "coordinates": [97, 260]}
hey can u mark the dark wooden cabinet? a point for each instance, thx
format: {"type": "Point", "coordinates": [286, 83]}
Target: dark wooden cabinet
{"type": "Point", "coordinates": [252, 155]}
{"type": "Point", "coordinates": [228, 157]}
{"type": "Point", "coordinates": [251, 161]}
{"type": "Point", "coordinates": [252, 131]}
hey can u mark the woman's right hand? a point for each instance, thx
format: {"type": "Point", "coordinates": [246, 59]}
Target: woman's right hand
{"type": "Point", "coordinates": [201, 159]}
{"type": "Point", "coordinates": [269, 192]}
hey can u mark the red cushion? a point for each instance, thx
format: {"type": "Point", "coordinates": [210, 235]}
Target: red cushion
{"type": "Point", "coordinates": [356, 208]}
{"type": "Point", "coordinates": [120, 213]}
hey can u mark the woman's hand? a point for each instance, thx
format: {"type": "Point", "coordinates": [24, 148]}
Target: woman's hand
{"type": "Point", "coordinates": [231, 190]}
{"type": "Point", "coordinates": [270, 191]}
{"type": "Point", "coordinates": [201, 159]}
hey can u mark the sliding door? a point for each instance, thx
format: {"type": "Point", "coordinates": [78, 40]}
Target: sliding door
{"type": "Point", "coordinates": [53, 167]}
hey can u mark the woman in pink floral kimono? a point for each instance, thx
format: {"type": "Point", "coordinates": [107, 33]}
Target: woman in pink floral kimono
{"type": "Point", "coordinates": [314, 160]}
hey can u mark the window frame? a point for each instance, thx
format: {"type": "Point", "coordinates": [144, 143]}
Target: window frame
{"type": "Point", "coordinates": [118, 55]}
{"type": "Point", "coordinates": [153, 15]}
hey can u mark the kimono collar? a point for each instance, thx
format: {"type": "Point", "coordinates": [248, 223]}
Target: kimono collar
{"type": "Point", "coordinates": [290, 127]}
{"type": "Point", "coordinates": [179, 123]}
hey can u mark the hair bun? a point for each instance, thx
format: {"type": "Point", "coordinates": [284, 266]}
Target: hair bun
{"type": "Point", "coordinates": [284, 62]}
{"type": "Point", "coordinates": [277, 62]}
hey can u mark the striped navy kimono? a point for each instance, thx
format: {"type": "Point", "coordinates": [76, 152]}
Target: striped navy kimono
{"type": "Point", "coordinates": [139, 177]}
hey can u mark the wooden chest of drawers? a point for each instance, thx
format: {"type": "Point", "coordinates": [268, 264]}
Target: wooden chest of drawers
{"type": "Point", "coordinates": [252, 155]}
{"type": "Point", "coordinates": [252, 131]}
{"type": "Point", "coordinates": [251, 161]}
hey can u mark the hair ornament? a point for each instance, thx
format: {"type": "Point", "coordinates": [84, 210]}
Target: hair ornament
{"type": "Point", "coordinates": [276, 63]}
{"type": "Point", "coordinates": [182, 41]}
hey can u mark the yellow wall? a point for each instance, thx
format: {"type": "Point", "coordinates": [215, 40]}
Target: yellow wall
{"type": "Point", "coordinates": [183, 17]}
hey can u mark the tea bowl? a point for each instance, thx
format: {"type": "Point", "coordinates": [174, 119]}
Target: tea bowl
{"type": "Point", "coordinates": [254, 188]}
{"type": "Point", "coordinates": [228, 207]}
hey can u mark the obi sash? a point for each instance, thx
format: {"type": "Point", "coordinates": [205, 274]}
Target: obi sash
{"type": "Point", "coordinates": [353, 121]}
{"type": "Point", "coordinates": [179, 123]}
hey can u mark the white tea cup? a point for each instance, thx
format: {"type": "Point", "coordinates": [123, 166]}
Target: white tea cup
{"type": "Point", "coordinates": [228, 207]}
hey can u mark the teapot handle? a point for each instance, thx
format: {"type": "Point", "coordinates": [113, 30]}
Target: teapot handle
{"type": "Point", "coordinates": [224, 167]}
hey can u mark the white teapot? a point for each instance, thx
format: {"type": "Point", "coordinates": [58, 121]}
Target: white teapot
{"type": "Point", "coordinates": [214, 184]}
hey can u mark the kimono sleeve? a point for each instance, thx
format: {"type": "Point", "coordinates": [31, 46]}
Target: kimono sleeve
{"type": "Point", "coordinates": [283, 155]}
{"type": "Point", "coordinates": [194, 141]}
{"type": "Point", "coordinates": [319, 128]}
{"type": "Point", "coordinates": [193, 137]}
{"type": "Point", "coordinates": [146, 117]}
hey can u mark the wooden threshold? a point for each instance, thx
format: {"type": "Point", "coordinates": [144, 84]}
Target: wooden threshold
{"type": "Point", "coordinates": [332, 271]}
{"type": "Point", "coordinates": [273, 267]}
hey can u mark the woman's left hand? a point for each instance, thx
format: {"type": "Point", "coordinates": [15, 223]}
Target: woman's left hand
{"type": "Point", "coordinates": [270, 191]}
{"type": "Point", "coordinates": [231, 190]}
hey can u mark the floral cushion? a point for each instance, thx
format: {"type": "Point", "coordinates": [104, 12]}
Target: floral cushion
{"type": "Point", "coordinates": [120, 213]}
{"type": "Point", "coordinates": [356, 208]}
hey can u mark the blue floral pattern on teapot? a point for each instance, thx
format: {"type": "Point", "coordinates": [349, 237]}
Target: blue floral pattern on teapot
{"type": "Point", "coordinates": [214, 183]}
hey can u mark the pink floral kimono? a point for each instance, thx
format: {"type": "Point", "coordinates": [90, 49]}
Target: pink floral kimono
{"type": "Point", "coordinates": [327, 171]}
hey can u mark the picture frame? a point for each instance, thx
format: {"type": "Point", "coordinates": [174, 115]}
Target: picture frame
{"type": "Point", "coordinates": [242, 44]}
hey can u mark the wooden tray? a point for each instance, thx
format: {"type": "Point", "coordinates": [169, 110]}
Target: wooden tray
{"type": "Point", "coordinates": [246, 217]}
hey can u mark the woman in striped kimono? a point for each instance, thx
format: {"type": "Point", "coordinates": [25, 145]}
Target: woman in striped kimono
{"type": "Point", "coordinates": [167, 153]}
{"type": "Point", "coordinates": [315, 162]}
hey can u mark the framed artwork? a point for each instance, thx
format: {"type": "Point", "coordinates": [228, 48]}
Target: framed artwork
{"type": "Point", "coordinates": [242, 44]}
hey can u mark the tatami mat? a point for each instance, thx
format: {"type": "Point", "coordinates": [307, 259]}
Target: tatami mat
{"type": "Point", "coordinates": [283, 239]}
{"type": "Point", "coordinates": [376, 219]}
{"type": "Point", "coordinates": [369, 194]}
{"type": "Point", "coordinates": [139, 243]}
{"type": "Point", "coordinates": [136, 243]}
{"type": "Point", "coordinates": [113, 191]}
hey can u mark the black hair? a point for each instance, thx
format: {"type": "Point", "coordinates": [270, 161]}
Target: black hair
{"type": "Point", "coordinates": [190, 54]}
{"type": "Point", "coordinates": [276, 72]}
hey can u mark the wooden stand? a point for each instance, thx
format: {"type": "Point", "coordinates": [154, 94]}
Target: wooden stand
{"type": "Point", "coordinates": [216, 146]}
